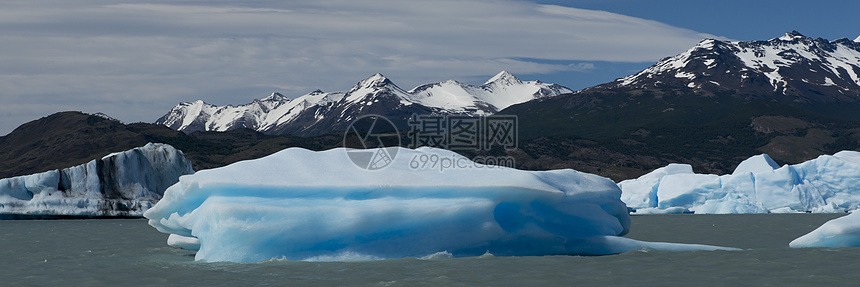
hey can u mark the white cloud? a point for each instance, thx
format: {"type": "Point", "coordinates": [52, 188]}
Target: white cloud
{"type": "Point", "coordinates": [135, 61]}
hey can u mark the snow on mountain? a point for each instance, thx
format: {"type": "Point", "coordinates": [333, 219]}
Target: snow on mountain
{"type": "Point", "coordinates": [827, 184]}
{"type": "Point", "coordinates": [812, 70]}
{"type": "Point", "coordinates": [280, 207]}
{"type": "Point", "coordinates": [119, 184]}
{"type": "Point", "coordinates": [201, 116]}
{"type": "Point", "coordinates": [501, 91]}
{"type": "Point", "coordinates": [107, 117]}
{"type": "Point", "coordinates": [320, 112]}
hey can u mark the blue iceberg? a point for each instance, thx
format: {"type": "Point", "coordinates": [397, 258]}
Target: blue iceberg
{"type": "Point", "coordinates": [827, 184]}
{"type": "Point", "coordinates": [304, 205]}
{"type": "Point", "coordinates": [839, 232]}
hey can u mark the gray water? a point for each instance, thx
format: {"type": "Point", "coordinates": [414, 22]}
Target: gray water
{"type": "Point", "coordinates": [128, 252]}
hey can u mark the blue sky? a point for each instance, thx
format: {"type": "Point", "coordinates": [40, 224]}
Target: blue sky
{"type": "Point", "coordinates": [136, 60]}
{"type": "Point", "coordinates": [743, 20]}
{"type": "Point", "coordinates": [748, 20]}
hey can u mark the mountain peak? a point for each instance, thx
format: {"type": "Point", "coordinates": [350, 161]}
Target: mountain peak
{"type": "Point", "coordinates": [275, 97]}
{"type": "Point", "coordinates": [375, 81]}
{"type": "Point", "coordinates": [199, 103]}
{"type": "Point", "coordinates": [857, 39]}
{"type": "Point", "coordinates": [790, 36]}
{"type": "Point", "coordinates": [706, 44]}
{"type": "Point", "coordinates": [503, 77]}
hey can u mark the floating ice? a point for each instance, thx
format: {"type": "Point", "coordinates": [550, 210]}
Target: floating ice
{"type": "Point", "coordinates": [303, 205]}
{"type": "Point", "coordinates": [120, 184]}
{"type": "Point", "coordinates": [184, 242]}
{"type": "Point", "coordinates": [758, 185]}
{"type": "Point", "coordinates": [839, 232]}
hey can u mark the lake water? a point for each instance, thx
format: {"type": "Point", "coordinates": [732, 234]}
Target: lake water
{"type": "Point", "coordinates": [128, 252]}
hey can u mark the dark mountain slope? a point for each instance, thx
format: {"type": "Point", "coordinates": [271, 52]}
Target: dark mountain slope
{"type": "Point", "coordinates": [70, 138]}
{"type": "Point", "coordinates": [62, 140]}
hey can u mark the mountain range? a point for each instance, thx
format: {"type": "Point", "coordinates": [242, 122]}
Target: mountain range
{"type": "Point", "coordinates": [712, 106]}
{"type": "Point", "coordinates": [319, 112]}
{"type": "Point", "coordinates": [793, 69]}
{"type": "Point", "coordinates": [793, 97]}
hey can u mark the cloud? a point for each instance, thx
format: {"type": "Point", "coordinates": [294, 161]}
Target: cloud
{"type": "Point", "coordinates": [135, 61]}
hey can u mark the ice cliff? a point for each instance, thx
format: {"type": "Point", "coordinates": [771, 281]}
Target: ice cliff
{"type": "Point", "coordinates": [120, 184]}
{"type": "Point", "coordinates": [758, 185]}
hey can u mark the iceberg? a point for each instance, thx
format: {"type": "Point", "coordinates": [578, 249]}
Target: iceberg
{"type": "Point", "coordinates": [119, 184]}
{"type": "Point", "coordinates": [304, 205]}
{"type": "Point", "coordinates": [839, 232]}
{"type": "Point", "coordinates": [826, 184]}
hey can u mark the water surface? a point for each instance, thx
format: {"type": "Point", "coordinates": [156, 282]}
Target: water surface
{"type": "Point", "coordinates": [127, 252]}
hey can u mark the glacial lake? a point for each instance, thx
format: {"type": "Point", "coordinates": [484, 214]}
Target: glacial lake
{"type": "Point", "coordinates": [128, 252]}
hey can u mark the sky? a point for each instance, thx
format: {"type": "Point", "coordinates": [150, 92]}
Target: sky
{"type": "Point", "coordinates": [134, 60]}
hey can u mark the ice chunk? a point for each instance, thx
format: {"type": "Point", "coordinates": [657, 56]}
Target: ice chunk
{"type": "Point", "coordinates": [848, 156]}
{"type": "Point", "coordinates": [839, 232]}
{"type": "Point", "coordinates": [642, 192]}
{"type": "Point", "coordinates": [686, 190]}
{"type": "Point", "coordinates": [758, 185]}
{"type": "Point", "coordinates": [281, 206]}
{"type": "Point", "coordinates": [621, 244]}
{"type": "Point", "coordinates": [303, 205]}
{"type": "Point", "coordinates": [184, 242]}
{"type": "Point", "coordinates": [655, 210]}
{"type": "Point", "coordinates": [756, 164]}
{"type": "Point", "coordinates": [729, 204]}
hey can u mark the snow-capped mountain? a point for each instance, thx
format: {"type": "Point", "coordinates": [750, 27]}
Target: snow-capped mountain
{"type": "Point", "coordinates": [792, 67]}
{"type": "Point", "coordinates": [792, 97]}
{"type": "Point", "coordinates": [260, 114]}
{"type": "Point", "coordinates": [320, 112]}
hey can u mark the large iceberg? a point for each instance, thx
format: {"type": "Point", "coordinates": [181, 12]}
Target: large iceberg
{"type": "Point", "coordinates": [826, 184]}
{"type": "Point", "coordinates": [120, 184]}
{"type": "Point", "coordinates": [839, 232]}
{"type": "Point", "coordinates": [303, 205]}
